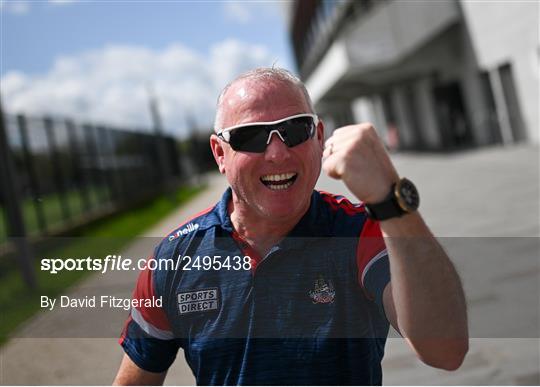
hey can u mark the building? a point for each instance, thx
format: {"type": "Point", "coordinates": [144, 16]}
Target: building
{"type": "Point", "coordinates": [431, 75]}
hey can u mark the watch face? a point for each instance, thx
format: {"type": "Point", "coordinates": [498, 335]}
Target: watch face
{"type": "Point", "coordinates": [407, 194]}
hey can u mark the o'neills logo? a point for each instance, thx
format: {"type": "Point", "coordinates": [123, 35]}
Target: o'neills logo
{"type": "Point", "coordinates": [184, 231]}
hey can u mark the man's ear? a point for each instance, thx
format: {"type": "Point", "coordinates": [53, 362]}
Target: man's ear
{"type": "Point", "coordinates": [218, 152]}
{"type": "Point", "coordinates": [320, 133]}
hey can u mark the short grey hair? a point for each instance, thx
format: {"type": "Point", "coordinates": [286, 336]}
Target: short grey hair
{"type": "Point", "coordinates": [276, 74]}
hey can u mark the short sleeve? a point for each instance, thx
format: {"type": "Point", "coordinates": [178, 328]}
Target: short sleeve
{"type": "Point", "coordinates": [372, 261]}
{"type": "Point", "coordinates": [147, 337]}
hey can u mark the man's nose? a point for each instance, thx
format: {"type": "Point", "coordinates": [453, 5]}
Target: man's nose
{"type": "Point", "coordinates": [276, 151]}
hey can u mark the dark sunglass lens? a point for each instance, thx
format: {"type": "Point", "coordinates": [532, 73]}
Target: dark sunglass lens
{"type": "Point", "coordinates": [249, 139]}
{"type": "Point", "coordinates": [298, 130]}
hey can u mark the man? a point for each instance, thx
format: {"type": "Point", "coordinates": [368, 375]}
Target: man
{"type": "Point", "coordinates": [313, 302]}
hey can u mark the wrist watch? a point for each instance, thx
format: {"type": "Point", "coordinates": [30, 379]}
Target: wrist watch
{"type": "Point", "coordinates": [403, 198]}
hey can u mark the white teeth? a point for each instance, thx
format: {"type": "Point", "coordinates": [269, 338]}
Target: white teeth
{"type": "Point", "coordinates": [281, 177]}
{"type": "Point", "coordinates": [269, 179]}
{"type": "Point", "coordinates": [280, 186]}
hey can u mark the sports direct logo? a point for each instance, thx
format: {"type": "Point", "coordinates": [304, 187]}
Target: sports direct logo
{"type": "Point", "coordinates": [190, 227]}
{"type": "Point", "coordinates": [198, 301]}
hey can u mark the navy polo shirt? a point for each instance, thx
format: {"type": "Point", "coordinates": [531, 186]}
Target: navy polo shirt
{"type": "Point", "coordinates": [309, 312]}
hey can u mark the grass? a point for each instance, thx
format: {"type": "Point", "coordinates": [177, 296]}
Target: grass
{"type": "Point", "coordinates": [18, 303]}
{"type": "Point", "coordinates": [52, 210]}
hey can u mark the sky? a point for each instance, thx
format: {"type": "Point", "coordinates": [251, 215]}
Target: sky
{"type": "Point", "coordinates": [99, 61]}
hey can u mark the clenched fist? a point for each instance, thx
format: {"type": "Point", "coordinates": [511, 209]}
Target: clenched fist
{"type": "Point", "coordinates": [356, 155]}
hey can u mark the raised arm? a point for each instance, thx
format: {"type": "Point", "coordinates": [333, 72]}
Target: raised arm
{"type": "Point", "coordinates": [424, 300]}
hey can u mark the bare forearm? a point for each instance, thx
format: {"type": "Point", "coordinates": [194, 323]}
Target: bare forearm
{"type": "Point", "coordinates": [427, 293]}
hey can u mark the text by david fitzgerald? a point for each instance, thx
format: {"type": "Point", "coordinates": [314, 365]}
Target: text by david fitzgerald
{"type": "Point", "coordinates": [100, 302]}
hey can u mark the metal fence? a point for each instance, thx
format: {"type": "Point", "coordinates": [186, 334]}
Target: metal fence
{"type": "Point", "coordinates": [68, 173]}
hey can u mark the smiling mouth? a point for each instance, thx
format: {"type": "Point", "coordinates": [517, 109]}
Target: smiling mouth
{"type": "Point", "coordinates": [279, 181]}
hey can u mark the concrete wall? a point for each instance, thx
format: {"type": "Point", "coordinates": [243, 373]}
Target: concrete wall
{"type": "Point", "coordinates": [507, 32]}
{"type": "Point", "coordinates": [407, 48]}
{"type": "Point", "coordinates": [394, 29]}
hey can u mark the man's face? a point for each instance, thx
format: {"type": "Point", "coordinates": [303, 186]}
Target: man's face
{"type": "Point", "coordinates": [250, 174]}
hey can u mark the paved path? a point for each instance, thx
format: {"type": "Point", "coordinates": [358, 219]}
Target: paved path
{"type": "Point", "coordinates": [474, 202]}
{"type": "Point", "coordinates": [92, 361]}
{"type": "Point", "coordinates": [488, 193]}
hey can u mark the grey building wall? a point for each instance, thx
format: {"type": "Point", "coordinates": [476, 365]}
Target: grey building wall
{"type": "Point", "coordinates": [417, 66]}
{"type": "Point", "coordinates": [507, 34]}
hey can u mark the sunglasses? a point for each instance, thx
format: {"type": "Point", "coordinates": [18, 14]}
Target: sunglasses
{"type": "Point", "coordinates": [255, 137]}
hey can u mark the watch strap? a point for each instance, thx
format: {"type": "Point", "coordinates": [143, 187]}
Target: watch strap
{"type": "Point", "coordinates": [388, 208]}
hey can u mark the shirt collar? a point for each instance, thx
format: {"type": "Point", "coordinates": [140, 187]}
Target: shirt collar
{"type": "Point", "coordinates": [222, 212]}
{"type": "Point", "coordinates": [314, 222]}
